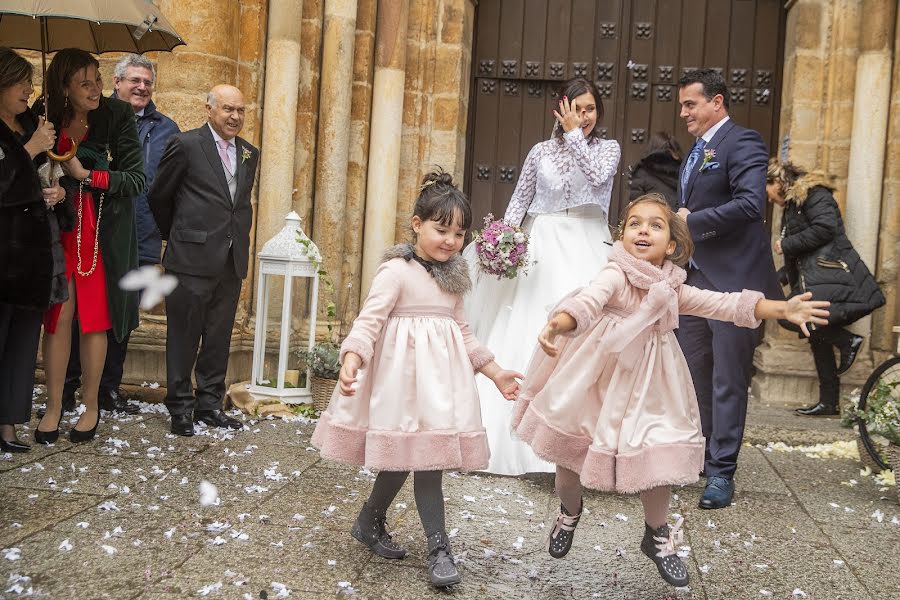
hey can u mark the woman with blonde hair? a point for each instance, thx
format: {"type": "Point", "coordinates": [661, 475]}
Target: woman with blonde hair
{"type": "Point", "coordinates": [819, 258]}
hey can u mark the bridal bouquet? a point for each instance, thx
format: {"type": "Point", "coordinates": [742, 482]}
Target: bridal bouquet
{"type": "Point", "coordinates": [502, 249]}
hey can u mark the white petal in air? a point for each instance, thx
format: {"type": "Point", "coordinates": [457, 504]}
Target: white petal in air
{"type": "Point", "coordinates": [154, 284]}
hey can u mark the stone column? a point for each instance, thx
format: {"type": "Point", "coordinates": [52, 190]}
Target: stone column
{"type": "Point", "coordinates": [334, 134]}
{"type": "Point", "coordinates": [867, 142]}
{"type": "Point", "coordinates": [387, 125]}
{"type": "Point", "coordinates": [276, 167]}
{"type": "Point", "coordinates": [887, 271]}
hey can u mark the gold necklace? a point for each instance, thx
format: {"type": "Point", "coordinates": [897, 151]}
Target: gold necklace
{"type": "Point", "coordinates": [78, 266]}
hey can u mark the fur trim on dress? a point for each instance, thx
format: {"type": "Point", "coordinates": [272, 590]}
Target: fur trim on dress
{"type": "Point", "coordinates": [745, 313]}
{"type": "Point", "coordinates": [400, 450]}
{"type": "Point", "coordinates": [451, 276]}
{"type": "Point", "coordinates": [601, 469]}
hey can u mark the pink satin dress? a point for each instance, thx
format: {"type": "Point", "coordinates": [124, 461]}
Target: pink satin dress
{"type": "Point", "coordinates": [617, 403]}
{"type": "Point", "coordinates": [416, 406]}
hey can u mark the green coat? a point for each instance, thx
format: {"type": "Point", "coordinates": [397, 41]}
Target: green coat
{"type": "Point", "coordinates": [113, 133]}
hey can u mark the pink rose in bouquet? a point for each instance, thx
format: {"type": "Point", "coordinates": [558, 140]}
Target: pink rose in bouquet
{"type": "Point", "coordinates": [502, 249]}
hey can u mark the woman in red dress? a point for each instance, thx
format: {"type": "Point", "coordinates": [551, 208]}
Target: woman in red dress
{"type": "Point", "coordinates": [102, 179]}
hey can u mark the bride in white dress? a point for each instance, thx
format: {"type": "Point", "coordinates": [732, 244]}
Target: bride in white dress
{"type": "Point", "coordinates": [562, 200]}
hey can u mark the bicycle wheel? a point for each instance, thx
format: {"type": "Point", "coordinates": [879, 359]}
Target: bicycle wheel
{"type": "Point", "coordinates": [885, 377]}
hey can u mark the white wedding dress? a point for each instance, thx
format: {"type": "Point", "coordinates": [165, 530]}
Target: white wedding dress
{"type": "Point", "coordinates": [562, 200]}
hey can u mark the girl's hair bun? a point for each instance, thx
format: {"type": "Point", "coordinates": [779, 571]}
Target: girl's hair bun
{"type": "Point", "coordinates": [438, 176]}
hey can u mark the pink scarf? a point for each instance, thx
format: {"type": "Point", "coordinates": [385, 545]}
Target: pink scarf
{"type": "Point", "coordinates": [659, 306]}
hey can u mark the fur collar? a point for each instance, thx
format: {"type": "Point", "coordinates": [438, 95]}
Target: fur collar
{"type": "Point", "coordinates": [451, 276]}
{"type": "Point", "coordinates": [642, 274]}
{"type": "Point", "coordinates": [799, 192]}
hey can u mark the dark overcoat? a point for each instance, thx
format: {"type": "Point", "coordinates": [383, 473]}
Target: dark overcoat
{"type": "Point", "coordinates": [819, 257]}
{"type": "Point", "coordinates": [27, 235]}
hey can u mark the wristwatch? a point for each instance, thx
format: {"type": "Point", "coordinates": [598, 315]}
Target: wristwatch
{"type": "Point", "coordinates": [87, 181]}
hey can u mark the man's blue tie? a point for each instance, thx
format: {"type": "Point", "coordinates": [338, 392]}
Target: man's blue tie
{"type": "Point", "coordinates": [692, 159]}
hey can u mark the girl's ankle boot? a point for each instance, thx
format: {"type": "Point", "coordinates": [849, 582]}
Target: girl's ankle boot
{"type": "Point", "coordinates": [563, 532]}
{"type": "Point", "coordinates": [659, 546]}
{"type": "Point", "coordinates": [371, 531]}
{"type": "Point", "coordinates": [441, 568]}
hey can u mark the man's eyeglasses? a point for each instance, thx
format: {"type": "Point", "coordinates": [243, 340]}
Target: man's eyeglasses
{"type": "Point", "coordinates": [138, 81]}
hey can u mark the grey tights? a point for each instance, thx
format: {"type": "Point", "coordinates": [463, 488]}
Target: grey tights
{"type": "Point", "coordinates": [428, 492]}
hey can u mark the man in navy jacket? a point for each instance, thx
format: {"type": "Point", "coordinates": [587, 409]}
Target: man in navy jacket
{"type": "Point", "coordinates": [134, 80]}
{"type": "Point", "coordinates": [722, 191]}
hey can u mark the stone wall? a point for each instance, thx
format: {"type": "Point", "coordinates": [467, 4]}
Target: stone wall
{"type": "Point", "coordinates": [435, 107]}
{"type": "Point", "coordinates": [838, 59]}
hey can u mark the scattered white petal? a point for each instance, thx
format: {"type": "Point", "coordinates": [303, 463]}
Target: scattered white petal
{"type": "Point", "coordinates": [798, 593]}
{"type": "Point", "coordinates": [82, 525]}
{"type": "Point", "coordinates": [469, 498]}
{"type": "Point", "coordinates": [705, 569]}
{"type": "Point", "coordinates": [108, 505]}
{"type": "Point", "coordinates": [621, 517]}
{"type": "Point", "coordinates": [518, 543]}
{"type": "Point", "coordinates": [12, 553]}
{"type": "Point", "coordinates": [206, 590]}
{"type": "Point", "coordinates": [878, 515]}
{"type": "Point", "coordinates": [838, 562]}
{"type": "Point", "coordinates": [108, 549]}
{"type": "Point", "coordinates": [209, 494]}
{"type": "Point", "coordinates": [766, 593]}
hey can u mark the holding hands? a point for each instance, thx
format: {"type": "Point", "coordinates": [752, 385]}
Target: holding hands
{"type": "Point", "coordinates": [505, 380]}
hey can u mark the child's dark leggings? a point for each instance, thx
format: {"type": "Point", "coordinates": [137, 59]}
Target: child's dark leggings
{"type": "Point", "coordinates": [428, 492]}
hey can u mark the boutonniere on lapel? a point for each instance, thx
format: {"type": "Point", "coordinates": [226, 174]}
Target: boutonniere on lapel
{"type": "Point", "coordinates": [245, 154]}
{"type": "Point", "coordinates": [708, 162]}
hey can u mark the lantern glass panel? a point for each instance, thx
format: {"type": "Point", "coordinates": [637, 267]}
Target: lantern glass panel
{"type": "Point", "coordinates": [296, 325]}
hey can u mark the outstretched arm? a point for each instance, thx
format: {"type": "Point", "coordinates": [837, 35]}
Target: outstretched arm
{"type": "Point", "coordinates": [799, 310]}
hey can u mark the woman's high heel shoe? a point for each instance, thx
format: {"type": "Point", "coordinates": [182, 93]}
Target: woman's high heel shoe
{"type": "Point", "coordinates": [76, 436]}
{"type": "Point", "coordinates": [48, 437]}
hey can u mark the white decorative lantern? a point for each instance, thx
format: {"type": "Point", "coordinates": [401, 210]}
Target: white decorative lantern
{"type": "Point", "coordinates": [290, 254]}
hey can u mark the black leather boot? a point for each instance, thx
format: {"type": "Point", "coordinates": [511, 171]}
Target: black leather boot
{"type": "Point", "coordinates": [659, 546]}
{"type": "Point", "coordinates": [819, 409]}
{"type": "Point", "coordinates": [849, 354]}
{"type": "Point", "coordinates": [371, 531]}
{"type": "Point", "coordinates": [441, 567]}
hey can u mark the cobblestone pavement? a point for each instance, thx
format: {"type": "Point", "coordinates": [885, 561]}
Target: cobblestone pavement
{"type": "Point", "coordinates": [121, 517]}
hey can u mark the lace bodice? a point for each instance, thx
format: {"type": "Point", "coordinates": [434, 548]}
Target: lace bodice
{"type": "Point", "coordinates": [561, 174]}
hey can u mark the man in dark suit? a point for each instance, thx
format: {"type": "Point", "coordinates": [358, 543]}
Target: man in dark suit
{"type": "Point", "coordinates": [722, 189]}
{"type": "Point", "coordinates": [201, 202]}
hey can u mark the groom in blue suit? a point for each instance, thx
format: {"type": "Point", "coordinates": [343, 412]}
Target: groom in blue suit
{"type": "Point", "coordinates": [722, 189]}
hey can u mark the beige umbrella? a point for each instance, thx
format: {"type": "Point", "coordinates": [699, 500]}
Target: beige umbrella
{"type": "Point", "coordinates": [96, 26]}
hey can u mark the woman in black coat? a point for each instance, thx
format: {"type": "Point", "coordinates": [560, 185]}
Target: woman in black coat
{"type": "Point", "coordinates": [819, 258]}
{"type": "Point", "coordinates": [657, 171]}
{"type": "Point", "coordinates": [31, 259]}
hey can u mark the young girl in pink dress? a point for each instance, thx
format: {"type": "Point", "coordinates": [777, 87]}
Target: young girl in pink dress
{"type": "Point", "coordinates": [406, 400]}
{"type": "Point", "coordinates": [612, 404]}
